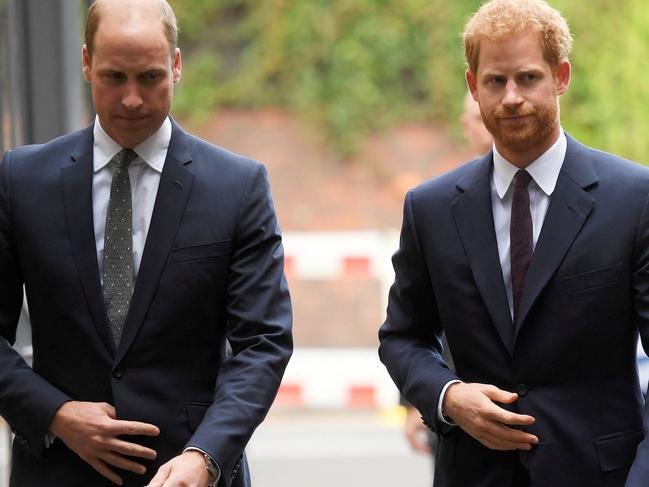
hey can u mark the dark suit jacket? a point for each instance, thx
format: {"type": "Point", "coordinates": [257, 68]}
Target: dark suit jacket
{"type": "Point", "coordinates": [571, 359]}
{"type": "Point", "coordinates": [212, 268]}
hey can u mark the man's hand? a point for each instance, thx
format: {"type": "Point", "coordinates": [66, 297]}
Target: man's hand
{"type": "Point", "coordinates": [186, 470]}
{"type": "Point", "coordinates": [472, 408]}
{"type": "Point", "coordinates": [90, 430]}
{"type": "Point", "coordinates": [415, 431]}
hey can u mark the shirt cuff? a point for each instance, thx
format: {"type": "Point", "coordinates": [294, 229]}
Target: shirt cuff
{"type": "Point", "coordinates": [440, 414]}
{"type": "Point", "coordinates": [216, 466]}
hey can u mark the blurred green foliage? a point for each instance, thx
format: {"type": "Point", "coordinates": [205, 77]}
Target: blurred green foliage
{"type": "Point", "coordinates": [351, 67]}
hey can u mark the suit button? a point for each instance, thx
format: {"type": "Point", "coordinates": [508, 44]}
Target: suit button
{"type": "Point", "coordinates": [118, 373]}
{"type": "Point", "coordinates": [522, 390]}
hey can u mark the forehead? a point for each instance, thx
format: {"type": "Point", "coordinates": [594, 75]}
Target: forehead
{"type": "Point", "coordinates": [513, 53]}
{"type": "Point", "coordinates": [125, 41]}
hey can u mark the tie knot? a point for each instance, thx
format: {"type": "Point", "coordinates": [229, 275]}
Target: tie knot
{"type": "Point", "coordinates": [522, 179]}
{"type": "Point", "coordinates": [125, 157]}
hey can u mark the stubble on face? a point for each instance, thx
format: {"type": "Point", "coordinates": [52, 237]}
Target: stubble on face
{"type": "Point", "coordinates": [518, 93]}
{"type": "Point", "coordinates": [535, 126]}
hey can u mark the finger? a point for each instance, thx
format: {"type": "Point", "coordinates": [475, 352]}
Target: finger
{"type": "Point", "coordinates": [506, 446]}
{"type": "Point", "coordinates": [123, 463]}
{"type": "Point", "coordinates": [104, 470]}
{"type": "Point", "coordinates": [507, 417]}
{"type": "Point", "coordinates": [494, 412]}
{"type": "Point", "coordinates": [131, 449]}
{"type": "Point", "coordinates": [501, 434]}
{"type": "Point", "coordinates": [499, 443]}
{"type": "Point", "coordinates": [121, 427]}
{"type": "Point", "coordinates": [498, 395]}
{"type": "Point", "coordinates": [109, 409]}
{"type": "Point", "coordinates": [159, 479]}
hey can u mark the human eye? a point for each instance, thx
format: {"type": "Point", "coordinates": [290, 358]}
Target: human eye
{"type": "Point", "coordinates": [113, 77]}
{"type": "Point", "coordinates": [151, 76]}
{"type": "Point", "coordinates": [528, 78]}
{"type": "Point", "coordinates": [495, 80]}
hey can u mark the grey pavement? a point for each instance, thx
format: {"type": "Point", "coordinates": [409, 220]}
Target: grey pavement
{"type": "Point", "coordinates": [345, 449]}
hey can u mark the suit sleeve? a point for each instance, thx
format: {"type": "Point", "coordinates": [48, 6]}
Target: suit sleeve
{"type": "Point", "coordinates": [27, 401]}
{"type": "Point", "coordinates": [639, 473]}
{"type": "Point", "coordinates": [259, 330]}
{"type": "Point", "coordinates": [411, 337]}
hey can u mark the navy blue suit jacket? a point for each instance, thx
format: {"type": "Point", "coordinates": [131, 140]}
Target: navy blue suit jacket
{"type": "Point", "coordinates": [572, 356]}
{"type": "Point", "coordinates": [212, 269]}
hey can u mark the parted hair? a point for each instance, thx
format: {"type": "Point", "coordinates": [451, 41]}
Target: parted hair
{"type": "Point", "coordinates": [498, 19]}
{"type": "Point", "coordinates": [167, 17]}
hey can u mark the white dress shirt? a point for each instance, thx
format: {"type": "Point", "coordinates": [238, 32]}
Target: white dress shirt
{"type": "Point", "coordinates": [144, 173]}
{"type": "Point", "coordinates": [545, 172]}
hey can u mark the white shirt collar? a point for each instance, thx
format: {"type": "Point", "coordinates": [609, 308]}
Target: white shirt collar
{"type": "Point", "coordinates": [153, 151]}
{"type": "Point", "coordinates": [544, 170]}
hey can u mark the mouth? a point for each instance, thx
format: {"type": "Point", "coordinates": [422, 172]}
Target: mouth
{"type": "Point", "coordinates": [515, 115]}
{"type": "Point", "coordinates": [132, 118]}
{"type": "Point", "coordinates": [515, 118]}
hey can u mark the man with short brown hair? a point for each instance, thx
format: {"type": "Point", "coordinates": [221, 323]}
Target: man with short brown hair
{"type": "Point", "coordinates": [142, 250]}
{"type": "Point", "coordinates": [534, 261]}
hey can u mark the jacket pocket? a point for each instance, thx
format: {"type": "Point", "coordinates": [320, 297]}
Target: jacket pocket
{"type": "Point", "coordinates": [200, 252]}
{"type": "Point", "coordinates": [618, 450]}
{"type": "Point", "coordinates": [593, 279]}
{"type": "Point", "coordinates": [195, 414]}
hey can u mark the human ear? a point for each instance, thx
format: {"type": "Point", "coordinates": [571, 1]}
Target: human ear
{"type": "Point", "coordinates": [562, 76]}
{"type": "Point", "coordinates": [85, 63]}
{"type": "Point", "coordinates": [472, 83]}
{"type": "Point", "coordinates": [177, 66]}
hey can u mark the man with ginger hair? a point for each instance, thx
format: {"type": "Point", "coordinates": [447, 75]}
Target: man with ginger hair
{"type": "Point", "coordinates": [534, 261]}
{"type": "Point", "coordinates": [142, 249]}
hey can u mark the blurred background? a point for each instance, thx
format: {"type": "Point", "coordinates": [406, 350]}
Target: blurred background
{"type": "Point", "coordinates": [349, 103]}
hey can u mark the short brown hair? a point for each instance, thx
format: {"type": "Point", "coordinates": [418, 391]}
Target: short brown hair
{"type": "Point", "coordinates": [498, 19]}
{"type": "Point", "coordinates": [167, 17]}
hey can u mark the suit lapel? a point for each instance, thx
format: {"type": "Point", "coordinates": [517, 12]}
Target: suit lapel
{"type": "Point", "coordinates": [76, 185]}
{"type": "Point", "coordinates": [474, 219]}
{"type": "Point", "coordinates": [570, 205]}
{"type": "Point", "coordinates": [175, 186]}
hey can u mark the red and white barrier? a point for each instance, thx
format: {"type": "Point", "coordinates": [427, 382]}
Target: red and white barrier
{"type": "Point", "coordinates": [336, 378]}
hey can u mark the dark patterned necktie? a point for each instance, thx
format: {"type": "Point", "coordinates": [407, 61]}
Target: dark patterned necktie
{"type": "Point", "coordinates": [118, 246]}
{"type": "Point", "coordinates": [520, 237]}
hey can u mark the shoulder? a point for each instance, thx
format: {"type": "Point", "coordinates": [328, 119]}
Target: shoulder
{"type": "Point", "coordinates": [35, 158]}
{"type": "Point", "coordinates": [210, 158]}
{"type": "Point", "coordinates": [446, 187]}
{"type": "Point", "coordinates": [217, 170]}
{"type": "Point", "coordinates": [612, 171]}
{"type": "Point", "coordinates": [63, 144]}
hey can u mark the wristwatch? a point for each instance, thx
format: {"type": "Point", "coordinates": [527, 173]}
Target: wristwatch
{"type": "Point", "coordinates": [212, 469]}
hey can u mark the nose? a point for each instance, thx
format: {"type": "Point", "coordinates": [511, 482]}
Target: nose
{"type": "Point", "coordinates": [131, 99]}
{"type": "Point", "coordinates": [512, 96]}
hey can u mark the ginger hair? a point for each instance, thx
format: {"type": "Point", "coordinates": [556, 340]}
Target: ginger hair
{"type": "Point", "coordinates": [499, 19]}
